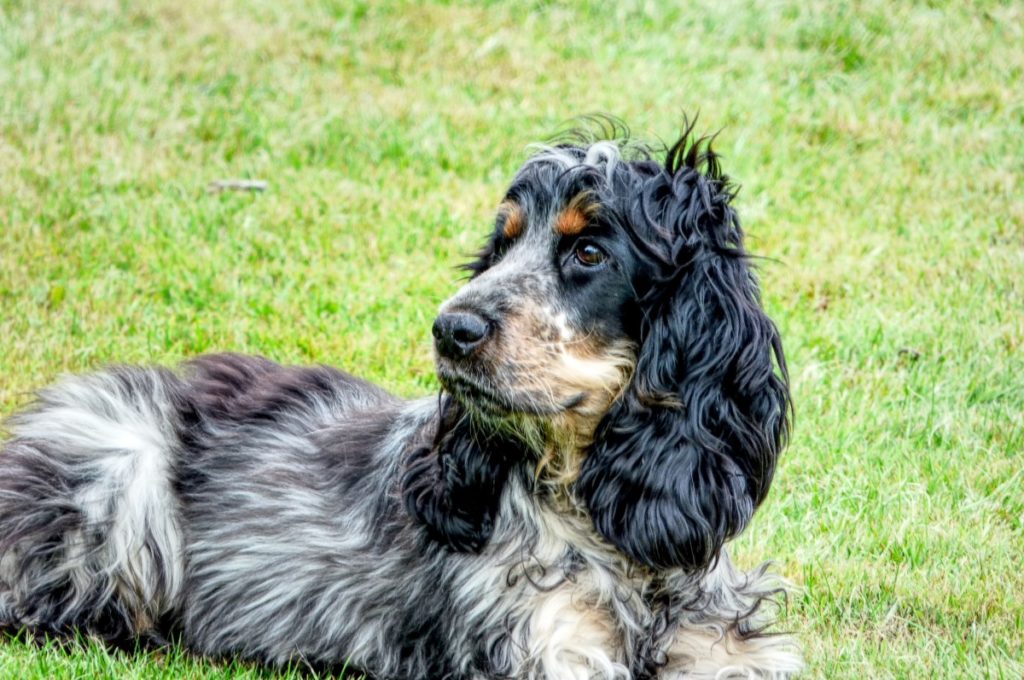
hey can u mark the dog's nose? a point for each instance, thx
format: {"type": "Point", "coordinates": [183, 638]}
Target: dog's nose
{"type": "Point", "coordinates": [457, 334]}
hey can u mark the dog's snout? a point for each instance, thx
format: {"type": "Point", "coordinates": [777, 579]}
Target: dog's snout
{"type": "Point", "coordinates": [457, 334]}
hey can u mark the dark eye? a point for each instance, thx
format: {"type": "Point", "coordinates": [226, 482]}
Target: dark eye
{"type": "Point", "coordinates": [590, 255]}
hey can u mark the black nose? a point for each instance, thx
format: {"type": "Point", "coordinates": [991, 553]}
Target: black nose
{"type": "Point", "coordinates": [457, 334]}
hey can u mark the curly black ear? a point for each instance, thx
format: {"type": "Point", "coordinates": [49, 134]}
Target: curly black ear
{"type": "Point", "coordinates": [453, 481]}
{"type": "Point", "coordinates": [685, 456]}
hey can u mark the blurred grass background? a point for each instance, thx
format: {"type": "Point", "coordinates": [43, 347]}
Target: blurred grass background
{"type": "Point", "coordinates": [880, 147]}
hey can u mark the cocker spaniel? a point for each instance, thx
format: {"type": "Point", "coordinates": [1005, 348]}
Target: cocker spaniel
{"type": "Point", "coordinates": [614, 399]}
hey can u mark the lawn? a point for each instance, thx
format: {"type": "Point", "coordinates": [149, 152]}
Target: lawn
{"type": "Point", "coordinates": [880, 147]}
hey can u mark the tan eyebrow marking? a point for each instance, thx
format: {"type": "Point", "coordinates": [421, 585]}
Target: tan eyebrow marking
{"type": "Point", "coordinates": [577, 214]}
{"type": "Point", "coordinates": [514, 218]}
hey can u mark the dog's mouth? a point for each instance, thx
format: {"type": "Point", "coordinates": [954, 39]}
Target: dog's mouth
{"type": "Point", "coordinates": [477, 394]}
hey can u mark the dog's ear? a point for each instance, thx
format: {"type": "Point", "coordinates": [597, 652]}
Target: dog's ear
{"type": "Point", "coordinates": [688, 452]}
{"type": "Point", "coordinates": [454, 479]}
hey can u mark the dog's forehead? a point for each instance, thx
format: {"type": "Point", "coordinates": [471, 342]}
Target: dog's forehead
{"type": "Point", "coordinates": [545, 203]}
{"type": "Point", "coordinates": [531, 250]}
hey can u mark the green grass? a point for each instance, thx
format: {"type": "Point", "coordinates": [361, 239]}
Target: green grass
{"type": "Point", "coordinates": [881, 151]}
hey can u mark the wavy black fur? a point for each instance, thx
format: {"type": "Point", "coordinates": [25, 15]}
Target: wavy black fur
{"type": "Point", "coordinates": [687, 454]}
{"type": "Point", "coordinates": [453, 482]}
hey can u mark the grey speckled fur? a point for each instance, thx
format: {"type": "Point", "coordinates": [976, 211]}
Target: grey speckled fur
{"type": "Point", "coordinates": [256, 510]}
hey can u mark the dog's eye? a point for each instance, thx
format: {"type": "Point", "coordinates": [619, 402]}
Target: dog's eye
{"type": "Point", "coordinates": [590, 255]}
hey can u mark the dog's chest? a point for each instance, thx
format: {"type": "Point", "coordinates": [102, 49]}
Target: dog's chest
{"type": "Point", "coordinates": [568, 598]}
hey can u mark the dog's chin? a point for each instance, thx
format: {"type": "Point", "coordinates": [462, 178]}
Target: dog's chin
{"type": "Point", "coordinates": [479, 397]}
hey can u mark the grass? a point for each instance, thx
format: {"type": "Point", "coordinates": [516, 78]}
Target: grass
{"type": "Point", "coordinates": [881, 151]}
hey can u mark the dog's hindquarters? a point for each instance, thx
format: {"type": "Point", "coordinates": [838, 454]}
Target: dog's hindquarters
{"type": "Point", "coordinates": [90, 533]}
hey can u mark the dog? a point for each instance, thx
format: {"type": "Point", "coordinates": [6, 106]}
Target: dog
{"type": "Point", "coordinates": [614, 400]}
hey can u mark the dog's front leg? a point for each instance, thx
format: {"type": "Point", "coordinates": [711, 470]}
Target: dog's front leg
{"type": "Point", "coordinates": [568, 640]}
{"type": "Point", "coordinates": [707, 654]}
{"type": "Point", "coordinates": [722, 633]}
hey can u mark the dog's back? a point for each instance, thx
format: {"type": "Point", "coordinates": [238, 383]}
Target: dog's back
{"type": "Point", "coordinates": [92, 518]}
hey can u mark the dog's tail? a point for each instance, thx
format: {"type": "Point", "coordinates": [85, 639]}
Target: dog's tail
{"type": "Point", "coordinates": [90, 525]}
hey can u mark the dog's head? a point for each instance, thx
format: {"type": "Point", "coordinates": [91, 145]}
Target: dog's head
{"type": "Point", "coordinates": [613, 329]}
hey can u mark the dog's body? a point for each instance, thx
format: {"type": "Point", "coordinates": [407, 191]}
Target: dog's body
{"type": "Point", "coordinates": [558, 512]}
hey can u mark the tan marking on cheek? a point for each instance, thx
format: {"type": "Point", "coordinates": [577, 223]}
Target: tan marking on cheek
{"type": "Point", "coordinates": [551, 360]}
{"type": "Point", "coordinates": [601, 375]}
{"type": "Point", "coordinates": [514, 219]}
{"type": "Point", "coordinates": [600, 371]}
{"type": "Point", "coordinates": [540, 357]}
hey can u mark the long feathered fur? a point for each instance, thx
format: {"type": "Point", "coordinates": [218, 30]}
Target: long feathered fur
{"type": "Point", "coordinates": [611, 416]}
